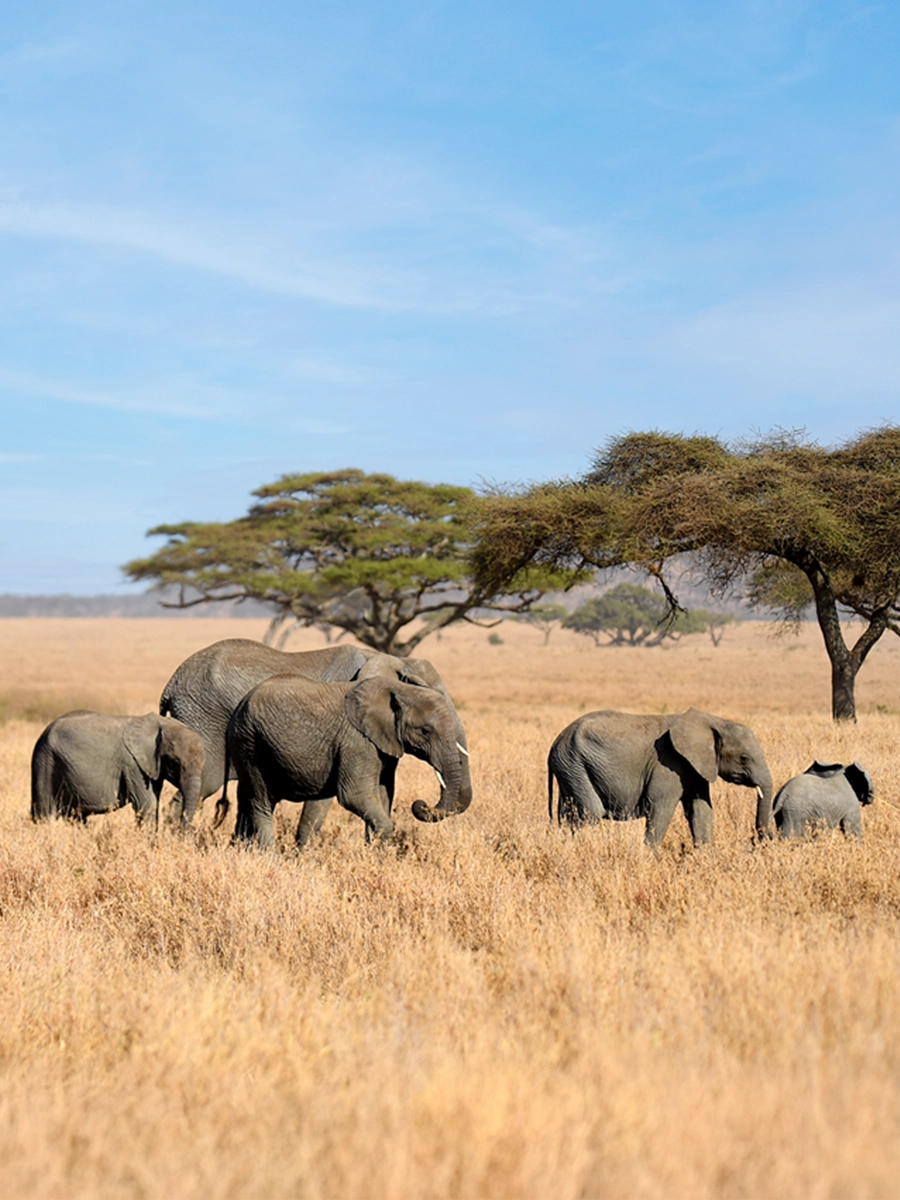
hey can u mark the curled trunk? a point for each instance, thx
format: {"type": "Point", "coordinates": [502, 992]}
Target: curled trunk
{"type": "Point", "coordinates": [456, 787]}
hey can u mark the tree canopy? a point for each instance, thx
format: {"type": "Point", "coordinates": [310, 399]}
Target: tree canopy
{"type": "Point", "coordinates": [631, 615]}
{"type": "Point", "coordinates": [795, 524]}
{"type": "Point", "coordinates": [369, 554]}
{"type": "Point", "coordinates": [544, 617]}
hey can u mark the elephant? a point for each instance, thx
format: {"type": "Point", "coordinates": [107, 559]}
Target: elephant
{"type": "Point", "coordinates": [90, 762]}
{"type": "Point", "coordinates": [206, 688]}
{"type": "Point", "coordinates": [621, 766]}
{"type": "Point", "coordinates": [292, 738]}
{"type": "Point", "coordinates": [825, 796]}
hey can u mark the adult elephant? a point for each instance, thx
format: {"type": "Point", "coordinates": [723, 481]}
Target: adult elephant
{"type": "Point", "coordinates": [207, 688]}
{"type": "Point", "coordinates": [292, 738]}
{"type": "Point", "coordinates": [825, 796]}
{"type": "Point", "coordinates": [90, 762]}
{"type": "Point", "coordinates": [620, 766]}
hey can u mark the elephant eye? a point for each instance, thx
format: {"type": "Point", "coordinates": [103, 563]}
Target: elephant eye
{"type": "Point", "coordinates": [428, 730]}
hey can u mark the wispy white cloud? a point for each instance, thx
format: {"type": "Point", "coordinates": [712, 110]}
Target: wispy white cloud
{"type": "Point", "coordinates": [824, 341]}
{"type": "Point", "coordinates": [12, 459]}
{"type": "Point", "coordinates": [184, 397]}
{"type": "Point", "coordinates": [136, 231]}
{"type": "Point", "coordinates": [325, 371]}
{"type": "Point", "coordinates": [462, 253]}
{"type": "Point", "coordinates": [39, 57]}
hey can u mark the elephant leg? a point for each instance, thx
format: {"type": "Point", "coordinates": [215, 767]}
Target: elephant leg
{"type": "Point", "coordinates": [698, 810]}
{"type": "Point", "coordinates": [254, 815]}
{"type": "Point", "coordinates": [851, 825]}
{"type": "Point", "coordinates": [579, 802]}
{"type": "Point", "coordinates": [791, 826]}
{"type": "Point", "coordinates": [370, 808]}
{"type": "Point", "coordinates": [146, 807]}
{"type": "Point", "coordinates": [175, 811]}
{"type": "Point", "coordinates": [661, 811]}
{"type": "Point", "coordinates": [311, 820]}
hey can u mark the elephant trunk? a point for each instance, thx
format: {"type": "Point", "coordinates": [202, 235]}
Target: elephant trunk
{"type": "Point", "coordinates": [763, 805]}
{"type": "Point", "coordinates": [190, 791]}
{"type": "Point", "coordinates": [456, 786]}
{"type": "Point", "coordinates": [183, 766]}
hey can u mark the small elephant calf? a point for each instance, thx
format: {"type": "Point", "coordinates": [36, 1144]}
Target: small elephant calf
{"type": "Point", "coordinates": [825, 796]}
{"type": "Point", "coordinates": [88, 762]}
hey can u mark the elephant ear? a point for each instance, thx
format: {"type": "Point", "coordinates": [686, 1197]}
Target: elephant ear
{"type": "Point", "coordinates": [861, 782]}
{"type": "Point", "coordinates": [824, 770]}
{"type": "Point", "coordinates": [421, 672]}
{"type": "Point", "coordinates": [694, 737]}
{"type": "Point", "coordinates": [141, 738]}
{"type": "Point", "coordinates": [372, 709]}
{"type": "Point", "coordinates": [381, 666]}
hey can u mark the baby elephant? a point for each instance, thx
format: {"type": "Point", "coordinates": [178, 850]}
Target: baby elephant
{"type": "Point", "coordinates": [90, 762]}
{"type": "Point", "coordinates": [823, 797]}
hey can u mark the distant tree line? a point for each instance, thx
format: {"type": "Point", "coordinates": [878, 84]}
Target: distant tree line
{"type": "Point", "coordinates": [141, 604]}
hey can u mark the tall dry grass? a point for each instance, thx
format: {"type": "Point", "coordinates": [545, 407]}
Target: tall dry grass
{"type": "Point", "coordinates": [490, 1007]}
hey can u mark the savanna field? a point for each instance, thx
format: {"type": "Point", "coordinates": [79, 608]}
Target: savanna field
{"type": "Point", "coordinates": [488, 1007]}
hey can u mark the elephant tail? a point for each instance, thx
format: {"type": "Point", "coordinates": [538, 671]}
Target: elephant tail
{"type": "Point", "coordinates": [44, 785]}
{"type": "Point", "coordinates": [223, 804]}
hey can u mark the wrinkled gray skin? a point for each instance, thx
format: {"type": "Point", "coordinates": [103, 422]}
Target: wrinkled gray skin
{"type": "Point", "coordinates": [824, 797]}
{"type": "Point", "coordinates": [620, 766]}
{"type": "Point", "coordinates": [89, 762]}
{"type": "Point", "coordinates": [296, 739]}
{"type": "Point", "coordinates": [207, 688]}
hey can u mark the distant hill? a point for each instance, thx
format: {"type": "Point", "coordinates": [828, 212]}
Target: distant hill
{"type": "Point", "coordinates": [144, 604]}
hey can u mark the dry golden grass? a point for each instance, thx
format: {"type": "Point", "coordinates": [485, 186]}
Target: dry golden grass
{"type": "Point", "coordinates": [490, 1007]}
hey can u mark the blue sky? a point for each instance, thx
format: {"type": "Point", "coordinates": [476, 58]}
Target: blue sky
{"type": "Point", "coordinates": [452, 241]}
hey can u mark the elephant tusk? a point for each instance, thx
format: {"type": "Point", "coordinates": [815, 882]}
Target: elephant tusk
{"type": "Point", "coordinates": [462, 749]}
{"type": "Point", "coordinates": [440, 780]}
{"type": "Point", "coordinates": [759, 792]}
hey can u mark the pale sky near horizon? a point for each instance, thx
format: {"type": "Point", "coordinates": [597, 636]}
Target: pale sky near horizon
{"type": "Point", "coordinates": [451, 241]}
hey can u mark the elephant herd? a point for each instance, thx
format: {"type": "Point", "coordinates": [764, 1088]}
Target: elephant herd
{"type": "Point", "coordinates": [328, 724]}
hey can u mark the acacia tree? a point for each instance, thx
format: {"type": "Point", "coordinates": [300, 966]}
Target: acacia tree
{"type": "Point", "coordinates": [544, 617]}
{"type": "Point", "coordinates": [796, 524]}
{"type": "Point", "coordinates": [368, 554]}
{"type": "Point", "coordinates": [631, 615]}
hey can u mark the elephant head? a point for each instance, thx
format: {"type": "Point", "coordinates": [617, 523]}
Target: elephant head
{"type": "Point", "coordinates": [716, 747]}
{"type": "Point", "coordinates": [420, 673]}
{"type": "Point", "coordinates": [403, 718]}
{"type": "Point", "coordinates": [856, 775]}
{"type": "Point", "coordinates": [166, 749]}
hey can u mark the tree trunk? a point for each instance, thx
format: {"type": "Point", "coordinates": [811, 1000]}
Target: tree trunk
{"type": "Point", "coordinates": [845, 662]}
{"type": "Point", "coordinates": [843, 684]}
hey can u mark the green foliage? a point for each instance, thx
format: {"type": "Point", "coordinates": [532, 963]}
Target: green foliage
{"type": "Point", "coordinates": [369, 554]}
{"type": "Point", "coordinates": [630, 615]}
{"type": "Point", "coordinates": [715, 623]}
{"type": "Point", "coordinates": [543, 617]}
{"type": "Point", "coordinates": [781, 517]}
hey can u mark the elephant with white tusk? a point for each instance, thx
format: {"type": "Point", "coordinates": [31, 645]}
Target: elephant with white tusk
{"type": "Point", "coordinates": [619, 766]}
{"type": "Point", "coordinates": [825, 796]}
{"type": "Point", "coordinates": [90, 762]}
{"type": "Point", "coordinates": [207, 688]}
{"type": "Point", "coordinates": [296, 739]}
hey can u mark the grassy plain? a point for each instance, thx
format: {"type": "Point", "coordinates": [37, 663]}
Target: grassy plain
{"type": "Point", "coordinates": [490, 1007]}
